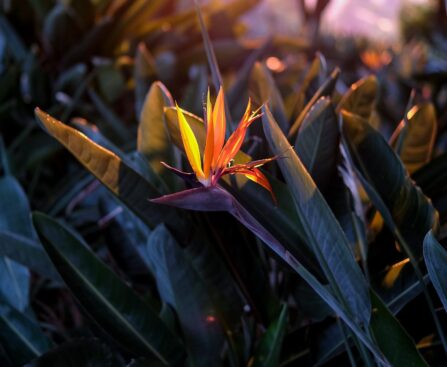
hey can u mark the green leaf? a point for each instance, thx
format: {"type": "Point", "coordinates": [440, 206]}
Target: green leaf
{"type": "Point", "coordinates": [317, 143]}
{"type": "Point", "coordinates": [14, 217]}
{"type": "Point", "coordinates": [181, 287]}
{"type": "Point", "coordinates": [132, 189]}
{"type": "Point", "coordinates": [325, 89]}
{"type": "Point", "coordinates": [419, 136]}
{"type": "Point", "coordinates": [107, 299]}
{"type": "Point", "coordinates": [398, 199]}
{"type": "Point", "coordinates": [27, 252]}
{"type": "Point", "coordinates": [281, 220]}
{"type": "Point", "coordinates": [360, 99]}
{"type": "Point", "coordinates": [436, 260]}
{"type": "Point", "coordinates": [153, 138]}
{"type": "Point", "coordinates": [264, 90]}
{"type": "Point", "coordinates": [323, 232]}
{"type": "Point", "coordinates": [216, 277]}
{"type": "Point", "coordinates": [392, 338]}
{"type": "Point", "coordinates": [21, 337]}
{"type": "Point", "coordinates": [78, 353]}
{"type": "Point", "coordinates": [215, 198]}
{"type": "Point", "coordinates": [269, 349]}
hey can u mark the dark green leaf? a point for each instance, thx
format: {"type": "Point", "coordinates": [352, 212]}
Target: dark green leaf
{"type": "Point", "coordinates": [323, 232]}
{"type": "Point", "coordinates": [398, 199]}
{"type": "Point", "coordinates": [436, 260]}
{"type": "Point", "coordinates": [392, 338]}
{"type": "Point", "coordinates": [15, 217]}
{"type": "Point", "coordinates": [325, 89]}
{"type": "Point", "coordinates": [269, 349]}
{"type": "Point", "coordinates": [117, 176]}
{"type": "Point", "coordinates": [107, 299]}
{"type": "Point", "coordinates": [317, 143]}
{"type": "Point", "coordinates": [27, 252]}
{"type": "Point", "coordinates": [181, 287]}
{"type": "Point", "coordinates": [20, 336]}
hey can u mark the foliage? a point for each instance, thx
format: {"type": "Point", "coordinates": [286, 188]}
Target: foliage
{"type": "Point", "coordinates": [95, 270]}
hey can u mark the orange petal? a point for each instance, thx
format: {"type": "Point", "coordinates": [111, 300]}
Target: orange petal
{"type": "Point", "coordinates": [209, 145]}
{"type": "Point", "coordinates": [254, 175]}
{"type": "Point", "coordinates": [219, 125]}
{"type": "Point", "coordinates": [190, 144]}
{"type": "Point", "coordinates": [236, 139]}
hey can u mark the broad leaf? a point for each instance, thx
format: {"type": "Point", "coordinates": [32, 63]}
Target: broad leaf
{"type": "Point", "coordinates": [107, 299]}
{"type": "Point", "coordinates": [21, 337]}
{"type": "Point", "coordinates": [325, 89]}
{"type": "Point", "coordinates": [264, 90]}
{"type": "Point", "coordinates": [392, 338]}
{"type": "Point", "coordinates": [315, 76]}
{"type": "Point", "coordinates": [398, 199]}
{"type": "Point", "coordinates": [436, 260]}
{"type": "Point", "coordinates": [317, 143]}
{"type": "Point", "coordinates": [323, 232]}
{"type": "Point", "coordinates": [269, 349]}
{"type": "Point", "coordinates": [28, 253]}
{"type": "Point", "coordinates": [132, 189]}
{"type": "Point", "coordinates": [181, 287]}
{"type": "Point", "coordinates": [15, 217]}
{"type": "Point", "coordinates": [153, 138]}
{"type": "Point", "coordinates": [361, 97]}
{"type": "Point", "coordinates": [216, 199]}
{"type": "Point", "coordinates": [419, 136]}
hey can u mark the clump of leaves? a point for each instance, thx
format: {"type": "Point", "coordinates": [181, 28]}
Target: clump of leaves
{"type": "Point", "coordinates": [332, 272]}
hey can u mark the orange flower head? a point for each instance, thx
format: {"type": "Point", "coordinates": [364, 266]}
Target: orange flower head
{"type": "Point", "coordinates": [218, 154]}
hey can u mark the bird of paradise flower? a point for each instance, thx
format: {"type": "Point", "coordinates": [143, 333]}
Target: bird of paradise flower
{"type": "Point", "coordinates": [218, 155]}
